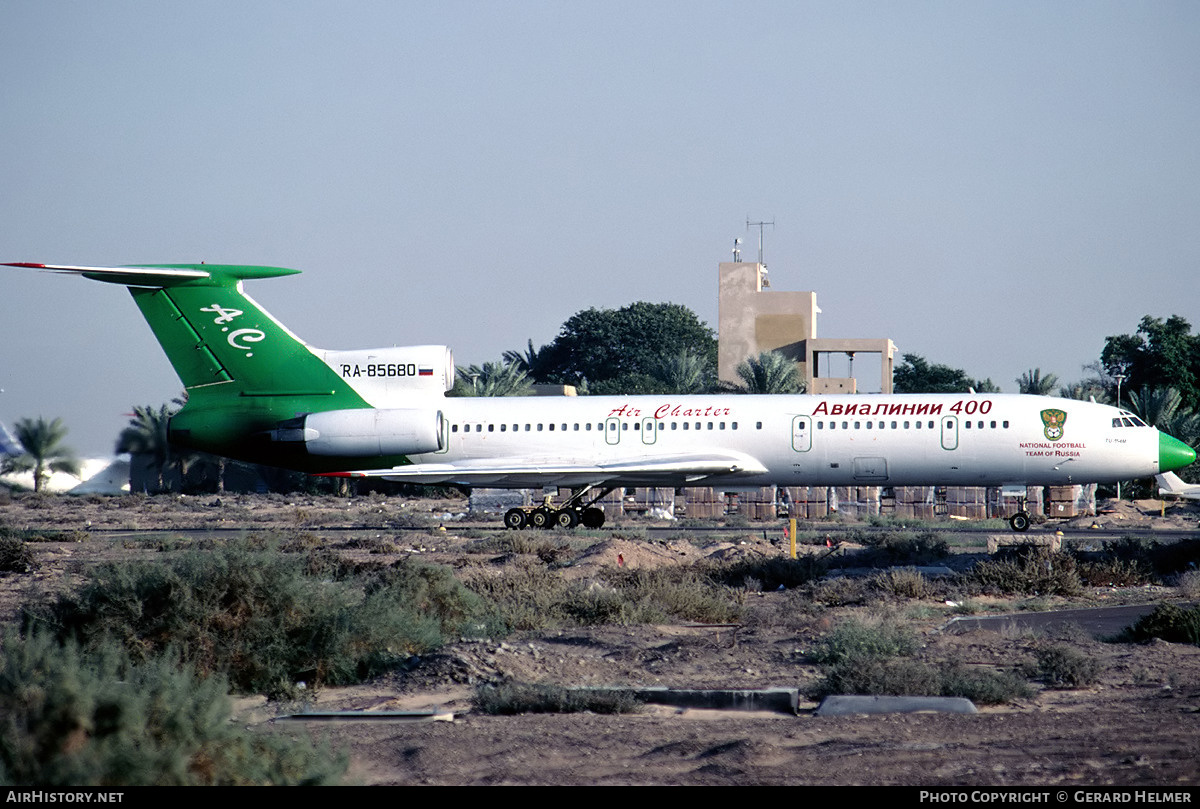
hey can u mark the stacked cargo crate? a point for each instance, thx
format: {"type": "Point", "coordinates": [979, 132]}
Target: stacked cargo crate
{"type": "Point", "coordinates": [915, 502]}
{"type": "Point", "coordinates": [969, 502]}
{"type": "Point", "coordinates": [758, 504]}
{"type": "Point", "coordinates": [659, 499]}
{"type": "Point", "coordinates": [613, 504]}
{"type": "Point", "coordinates": [1071, 501]}
{"type": "Point", "coordinates": [1003, 503]}
{"type": "Point", "coordinates": [1035, 500]}
{"type": "Point", "coordinates": [855, 501]}
{"type": "Point", "coordinates": [808, 502]}
{"type": "Point", "coordinates": [703, 503]}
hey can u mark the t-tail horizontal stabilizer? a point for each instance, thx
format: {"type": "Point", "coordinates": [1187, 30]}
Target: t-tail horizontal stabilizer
{"type": "Point", "coordinates": [160, 275]}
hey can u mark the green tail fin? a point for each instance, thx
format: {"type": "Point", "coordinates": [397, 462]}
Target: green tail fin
{"type": "Point", "coordinates": [244, 372]}
{"type": "Point", "coordinates": [217, 338]}
{"type": "Point", "coordinates": [215, 335]}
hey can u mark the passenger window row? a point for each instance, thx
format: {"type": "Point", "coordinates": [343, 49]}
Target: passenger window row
{"type": "Point", "coordinates": [587, 427]}
{"type": "Point", "coordinates": [908, 425]}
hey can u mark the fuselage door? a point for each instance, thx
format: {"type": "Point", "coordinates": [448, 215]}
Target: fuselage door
{"type": "Point", "coordinates": [870, 469]}
{"type": "Point", "coordinates": [612, 430]}
{"type": "Point", "coordinates": [649, 431]}
{"type": "Point", "coordinates": [802, 433]}
{"type": "Point", "coordinates": [445, 437]}
{"type": "Point", "coordinates": [949, 432]}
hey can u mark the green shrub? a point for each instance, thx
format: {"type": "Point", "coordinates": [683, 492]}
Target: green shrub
{"type": "Point", "coordinates": [1167, 622]}
{"type": "Point", "coordinates": [874, 658]}
{"type": "Point", "coordinates": [1176, 557]}
{"type": "Point", "coordinates": [432, 590]}
{"type": "Point", "coordinates": [259, 617]}
{"type": "Point", "coordinates": [888, 676]}
{"type": "Point", "coordinates": [527, 596]}
{"type": "Point", "coordinates": [523, 596]}
{"type": "Point", "coordinates": [70, 718]}
{"type": "Point", "coordinates": [1130, 548]}
{"type": "Point", "coordinates": [902, 583]}
{"type": "Point", "coordinates": [675, 593]}
{"type": "Point", "coordinates": [15, 556]}
{"type": "Point", "coordinates": [1189, 584]}
{"type": "Point", "coordinates": [770, 572]}
{"type": "Point", "coordinates": [547, 548]}
{"type": "Point", "coordinates": [1115, 573]}
{"type": "Point", "coordinates": [890, 548]}
{"type": "Point", "coordinates": [1164, 558]}
{"type": "Point", "coordinates": [1065, 666]}
{"type": "Point", "coordinates": [857, 641]}
{"type": "Point", "coordinates": [982, 686]}
{"type": "Point", "coordinates": [843, 591]}
{"type": "Point", "coordinates": [43, 535]}
{"type": "Point", "coordinates": [1034, 571]}
{"type": "Point", "coordinates": [914, 678]}
{"type": "Point", "coordinates": [513, 698]}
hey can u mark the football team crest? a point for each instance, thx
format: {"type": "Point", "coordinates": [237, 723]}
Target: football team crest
{"type": "Point", "coordinates": [1054, 421]}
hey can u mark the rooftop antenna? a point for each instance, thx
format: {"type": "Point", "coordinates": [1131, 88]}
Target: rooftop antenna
{"type": "Point", "coordinates": [760, 226]}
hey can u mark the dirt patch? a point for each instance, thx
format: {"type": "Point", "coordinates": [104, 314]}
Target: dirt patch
{"type": "Point", "coordinates": [1136, 725]}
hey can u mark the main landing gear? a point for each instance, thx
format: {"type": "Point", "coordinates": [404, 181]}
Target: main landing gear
{"type": "Point", "coordinates": [570, 514]}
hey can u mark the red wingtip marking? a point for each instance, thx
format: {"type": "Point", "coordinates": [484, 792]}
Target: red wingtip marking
{"type": "Point", "coordinates": [28, 264]}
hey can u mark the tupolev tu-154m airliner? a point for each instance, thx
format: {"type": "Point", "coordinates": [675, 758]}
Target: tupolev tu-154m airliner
{"type": "Point", "coordinates": [257, 393]}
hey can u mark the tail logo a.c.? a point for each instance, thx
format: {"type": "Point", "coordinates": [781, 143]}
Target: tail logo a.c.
{"type": "Point", "coordinates": [239, 337]}
{"type": "Point", "coordinates": [1054, 420]}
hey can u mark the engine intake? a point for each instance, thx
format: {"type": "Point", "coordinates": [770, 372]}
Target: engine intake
{"type": "Point", "coordinates": [365, 432]}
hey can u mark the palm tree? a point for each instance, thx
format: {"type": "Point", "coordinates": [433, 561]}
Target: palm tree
{"type": "Point", "coordinates": [494, 379]}
{"type": "Point", "coordinates": [770, 372]}
{"type": "Point", "coordinates": [1083, 390]}
{"type": "Point", "coordinates": [44, 452]}
{"type": "Point", "coordinates": [1156, 406]}
{"type": "Point", "coordinates": [1033, 382]}
{"type": "Point", "coordinates": [1098, 386]}
{"type": "Point", "coordinates": [530, 362]}
{"type": "Point", "coordinates": [1163, 408]}
{"type": "Point", "coordinates": [686, 372]}
{"type": "Point", "coordinates": [147, 435]}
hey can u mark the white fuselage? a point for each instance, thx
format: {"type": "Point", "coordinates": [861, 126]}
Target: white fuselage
{"type": "Point", "coordinates": [886, 440]}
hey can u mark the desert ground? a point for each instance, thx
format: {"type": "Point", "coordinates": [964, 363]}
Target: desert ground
{"type": "Point", "coordinates": [1137, 724]}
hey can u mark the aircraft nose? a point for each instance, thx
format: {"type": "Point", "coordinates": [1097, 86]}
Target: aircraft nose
{"type": "Point", "coordinates": [1173, 453]}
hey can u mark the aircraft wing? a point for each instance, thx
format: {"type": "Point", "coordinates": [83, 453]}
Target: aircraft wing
{"type": "Point", "coordinates": [661, 470]}
{"type": "Point", "coordinates": [1171, 484]}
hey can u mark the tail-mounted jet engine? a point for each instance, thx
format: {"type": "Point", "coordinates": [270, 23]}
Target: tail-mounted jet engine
{"type": "Point", "coordinates": [364, 433]}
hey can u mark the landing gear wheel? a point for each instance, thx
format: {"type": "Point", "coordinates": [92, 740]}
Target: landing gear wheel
{"type": "Point", "coordinates": [1019, 521]}
{"type": "Point", "coordinates": [541, 518]}
{"type": "Point", "coordinates": [514, 518]}
{"type": "Point", "coordinates": [592, 517]}
{"type": "Point", "coordinates": [567, 518]}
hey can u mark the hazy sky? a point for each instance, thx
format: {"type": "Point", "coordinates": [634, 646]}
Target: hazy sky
{"type": "Point", "coordinates": [995, 186]}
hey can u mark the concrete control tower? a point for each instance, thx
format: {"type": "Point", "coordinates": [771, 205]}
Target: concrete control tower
{"type": "Point", "coordinates": [752, 319]}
